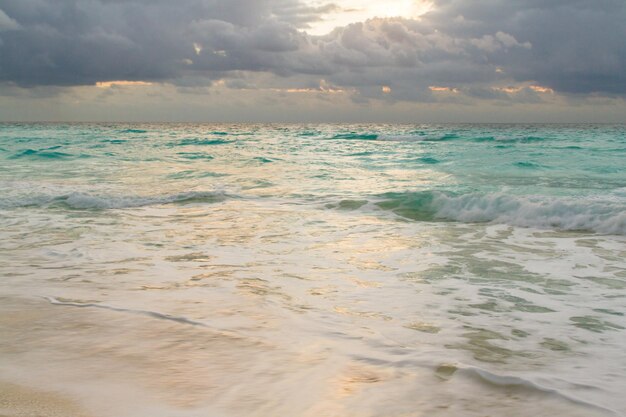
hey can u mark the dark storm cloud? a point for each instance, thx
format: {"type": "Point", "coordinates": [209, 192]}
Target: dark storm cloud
{"type": "Point", "coordinates": [577, 45]}
{"type": "Point", "coordinates": [408, 56]}
{"type": "Point", "coordinates": [571, 46]}
{"type": "Point", "coordinates": [77, 42]}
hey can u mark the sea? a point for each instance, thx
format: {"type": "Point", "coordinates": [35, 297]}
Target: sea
{"type": "Point", "coordinates": [315, 270]}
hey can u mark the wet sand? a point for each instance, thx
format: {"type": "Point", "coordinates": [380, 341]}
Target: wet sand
{"type": "Point", "coordinates": [21, 401]}
{"type": "Point", "coordinates": [60, 360]}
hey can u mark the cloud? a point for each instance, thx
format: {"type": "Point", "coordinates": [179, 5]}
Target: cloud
{"type": "Point", "coordinates": [569, 47]}
{"type": "Point", "coordinates": [577, 46]}
{"type": "Point", "coordinates": [6, 23]}
{"type": "Point", "coordinates": [81, 42]}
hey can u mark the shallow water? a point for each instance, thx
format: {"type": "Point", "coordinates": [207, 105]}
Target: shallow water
{"type": "Point", "coordinates": [306, 270]}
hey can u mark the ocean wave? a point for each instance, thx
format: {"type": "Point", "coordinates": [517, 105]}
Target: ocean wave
{"type": "Point", "coordinates": [356, 136]}
{"type": "Point", "coordinates": [40, 154]}
{"type": "Point", "coordinates": [527, 165]}
{"type": "Point", "coordinates": [408, 137]}
{"type": "Point", "coordinates": [200, 142]}
{"type": "Point", "coordinates": [519, 139]}
{"type": "Point", "coordinates": [308, 133]}
{"type": "Point", "coordinates": [195, 155]}
{"type": "Point", "coordinates": [440, 137]}
{"type": "Point", "coordinates": [133, 131]}
{"type": "Point", "coordinates": [607, 217]}
{"type": "Point", "coordinates": [428, 160]}
{"type": "Point", "coordinates": [85, 201]}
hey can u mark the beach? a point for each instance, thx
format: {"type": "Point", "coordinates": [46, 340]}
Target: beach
{"type": "Point", "coordinates": [312, 270]}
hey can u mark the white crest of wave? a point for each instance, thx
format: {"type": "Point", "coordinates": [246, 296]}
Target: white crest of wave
{"type": "Point", "coordinates": [528, 211]}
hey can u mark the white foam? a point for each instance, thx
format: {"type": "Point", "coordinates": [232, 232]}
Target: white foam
{"type": "Point", "coordinates": [608, 217]}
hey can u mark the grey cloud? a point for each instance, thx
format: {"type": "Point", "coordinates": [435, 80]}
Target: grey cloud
{"type": "Point", "coordinates": [571, 46]}
{"type": "Point", "coordinates": [499, 41]}
{"type": "Point", "coordinates": [409, 56]}
{"type": "Point", "coordinates": [577, 45]}
{"type": "Point", "coordinates": [79, 42]}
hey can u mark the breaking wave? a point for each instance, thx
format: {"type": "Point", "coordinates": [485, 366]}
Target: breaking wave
{"type": "Point", "coordinates": [607, 217]}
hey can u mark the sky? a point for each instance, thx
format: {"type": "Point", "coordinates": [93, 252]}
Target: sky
{"type": "Point", "coordinates": [313, 60]}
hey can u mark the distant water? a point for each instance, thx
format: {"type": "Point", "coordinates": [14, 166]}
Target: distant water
{"type": "Point", "coordinates": [316, 270]}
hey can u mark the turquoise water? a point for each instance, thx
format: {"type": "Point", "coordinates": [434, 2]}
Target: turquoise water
{"type": "Point", "coordinates": [563, 177]}
{"type": "Point", "coordinates": [303, 270]}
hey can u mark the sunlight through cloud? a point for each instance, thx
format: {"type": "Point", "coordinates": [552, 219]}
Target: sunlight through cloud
{"type": "Point", "coordinates": [121, 83]}
{"type": "Point", "coordinates": [351, 11]}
